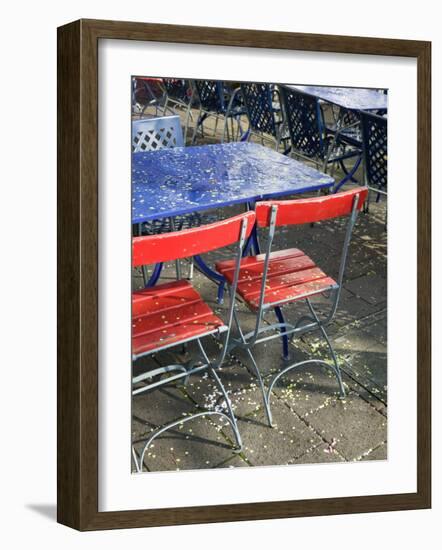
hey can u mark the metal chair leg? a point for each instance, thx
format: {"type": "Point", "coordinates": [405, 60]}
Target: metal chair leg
{"type": "Point", "coordinates": [139, 464]}
{"type": "Point", "coordinates": [330, 347]}
{"type": "Point", "coordinates": [256, 369]}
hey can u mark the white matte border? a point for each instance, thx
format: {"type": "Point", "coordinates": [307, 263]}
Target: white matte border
{"type": "Point", "coordinates": [118, 488]}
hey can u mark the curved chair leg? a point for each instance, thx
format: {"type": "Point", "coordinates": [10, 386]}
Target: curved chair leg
{"type": "Point", "coordinates": [224, 393]}
{"type": "Point", "coordinates": [330, 347]}
{"type": "Point", "coordinates": [333, 366]}
{"type": "Point", "coordinates": [300, 364]}
{"type": "Point", "coordinates": [134, 458]}
{"type": "Point", "coordinates": [230, 415]}
{"type": "Point", "coordinates": [263, 392]}
{"type": "Point", "coordinates": [257, 371]}
{"type": "Point", "coordinates": [139, 464]}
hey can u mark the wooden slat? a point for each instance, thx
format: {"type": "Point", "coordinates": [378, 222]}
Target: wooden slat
{"type": "Point", "coordinates": [253, 270]}
{"type": "Point", "coordinates": [165, 319]}
{"type": "Point", "coordinates": [250, 289]}
{"type": "Point", "coordinates": [168, 295]}
{"type": "Point", "coordinates": [179, 333]}
{"type": "Point", "coordinates": [291, 275]}
{"type": "Point", "coordinates": [296, 292]}
{"type": "Point", "coordinates": [167, 314]}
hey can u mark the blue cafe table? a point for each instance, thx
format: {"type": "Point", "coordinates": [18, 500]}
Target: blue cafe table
{"type": "Point", "coordinates": [354, 99]}
{"type": "Point", "coordinates": [181, 180]}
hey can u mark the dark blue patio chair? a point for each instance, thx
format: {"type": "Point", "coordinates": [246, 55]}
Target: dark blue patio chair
{"type": "Point", "coordinates": [312, 140]}
{"type": "Point", "coordinates": [218, 100]}
{"type": "Point", "coordinates": [374, 133]}
{"type": "Point", "coordinates": [264, 113]}
{"type": "Point", "coordinates": [180, 94]}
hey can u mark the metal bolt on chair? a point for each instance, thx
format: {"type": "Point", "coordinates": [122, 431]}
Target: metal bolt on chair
{"type": "Point", "coordinates": [277, 279]}
{"type": "Point", "coordinates": [173, 313]}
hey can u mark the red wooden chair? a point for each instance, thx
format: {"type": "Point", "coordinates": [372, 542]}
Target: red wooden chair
{"type": "Point", "coordinates": [174, 313]}
{"type": "Point", "coordinates": [276, 279]}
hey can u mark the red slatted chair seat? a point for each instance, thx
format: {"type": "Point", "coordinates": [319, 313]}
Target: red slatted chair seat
{"type": "Point", "coordinates": [291, 276]}
{"type": "Point", "coordinates": [168, 314]}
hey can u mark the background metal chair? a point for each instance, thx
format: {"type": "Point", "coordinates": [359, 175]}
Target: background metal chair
{"type": "Point", "coordinates": [156, 133]}
{"type": "Point", "coordinates": [181, 95]}
{"type": "Point", "coordinates": [375, 144]}
{"type": "Point", "coordinates": [312, 140]}
{"type": "Point", "coordinates": [172, 314]}
{"type": "Point", "coordinates": [264, 113]}
{"type": "Point", "coordinates": [149, 93]}
{"type": "Point", "coordinates": [277, 279]}
{"type": "Point", "coordinates": [216, 99]}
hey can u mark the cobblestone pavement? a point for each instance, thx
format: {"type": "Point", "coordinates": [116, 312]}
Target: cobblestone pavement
{"type": "Point", "coordinates": [312, 425]}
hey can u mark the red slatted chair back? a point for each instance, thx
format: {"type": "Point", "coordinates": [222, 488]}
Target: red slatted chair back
{"type": "Point", "coordinates": [315, 209]}
{"type": "Point", "coordinates": [166, 247]}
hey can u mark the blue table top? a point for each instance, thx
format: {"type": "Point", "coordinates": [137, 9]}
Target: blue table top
{"type": "Point", "coordinates": [363, 99]}
{"type": "Point", "coordinates": [180, 180]}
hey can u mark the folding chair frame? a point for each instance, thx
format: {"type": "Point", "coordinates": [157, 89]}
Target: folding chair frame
{"type": "Point", "coordinates": [306, 323]}
{"type": "Point", "coordinates": [192, 368]}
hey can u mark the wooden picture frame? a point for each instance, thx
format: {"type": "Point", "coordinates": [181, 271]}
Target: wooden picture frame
{"type": "Point", "coordinates": [78, 274]}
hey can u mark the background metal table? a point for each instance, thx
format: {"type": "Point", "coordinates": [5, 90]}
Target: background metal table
{"type": "Point", "coordinates": [361, 99]}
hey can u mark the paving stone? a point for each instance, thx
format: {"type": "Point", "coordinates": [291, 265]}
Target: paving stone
{"type": "Point", "coordinates": [371, 288]}
{"type": "Point", "coordinates": [364, 349]}
{"type": "Point", "coordinates": [379, 453]}
{"type": "Point", "coordinates": [239, 384]}
{"type": "Point", "coordinates": [351, 309]}
{"type": "Point", "coordinates": [289, 437]}
{"type": "Point", "coordinates": [370, 368]}
{"type": "Point", "coordinates": [158, 407]}
{"type": "Point", "coordinates": [355, 425]}
{"type": "Point", "coordinates": [376, 399]}
{"type": "Point", "coordinates": [321, 454]}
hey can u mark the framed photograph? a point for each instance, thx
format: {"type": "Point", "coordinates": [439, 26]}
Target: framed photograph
{"type": "Point", "coordinates": [243, 324]}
